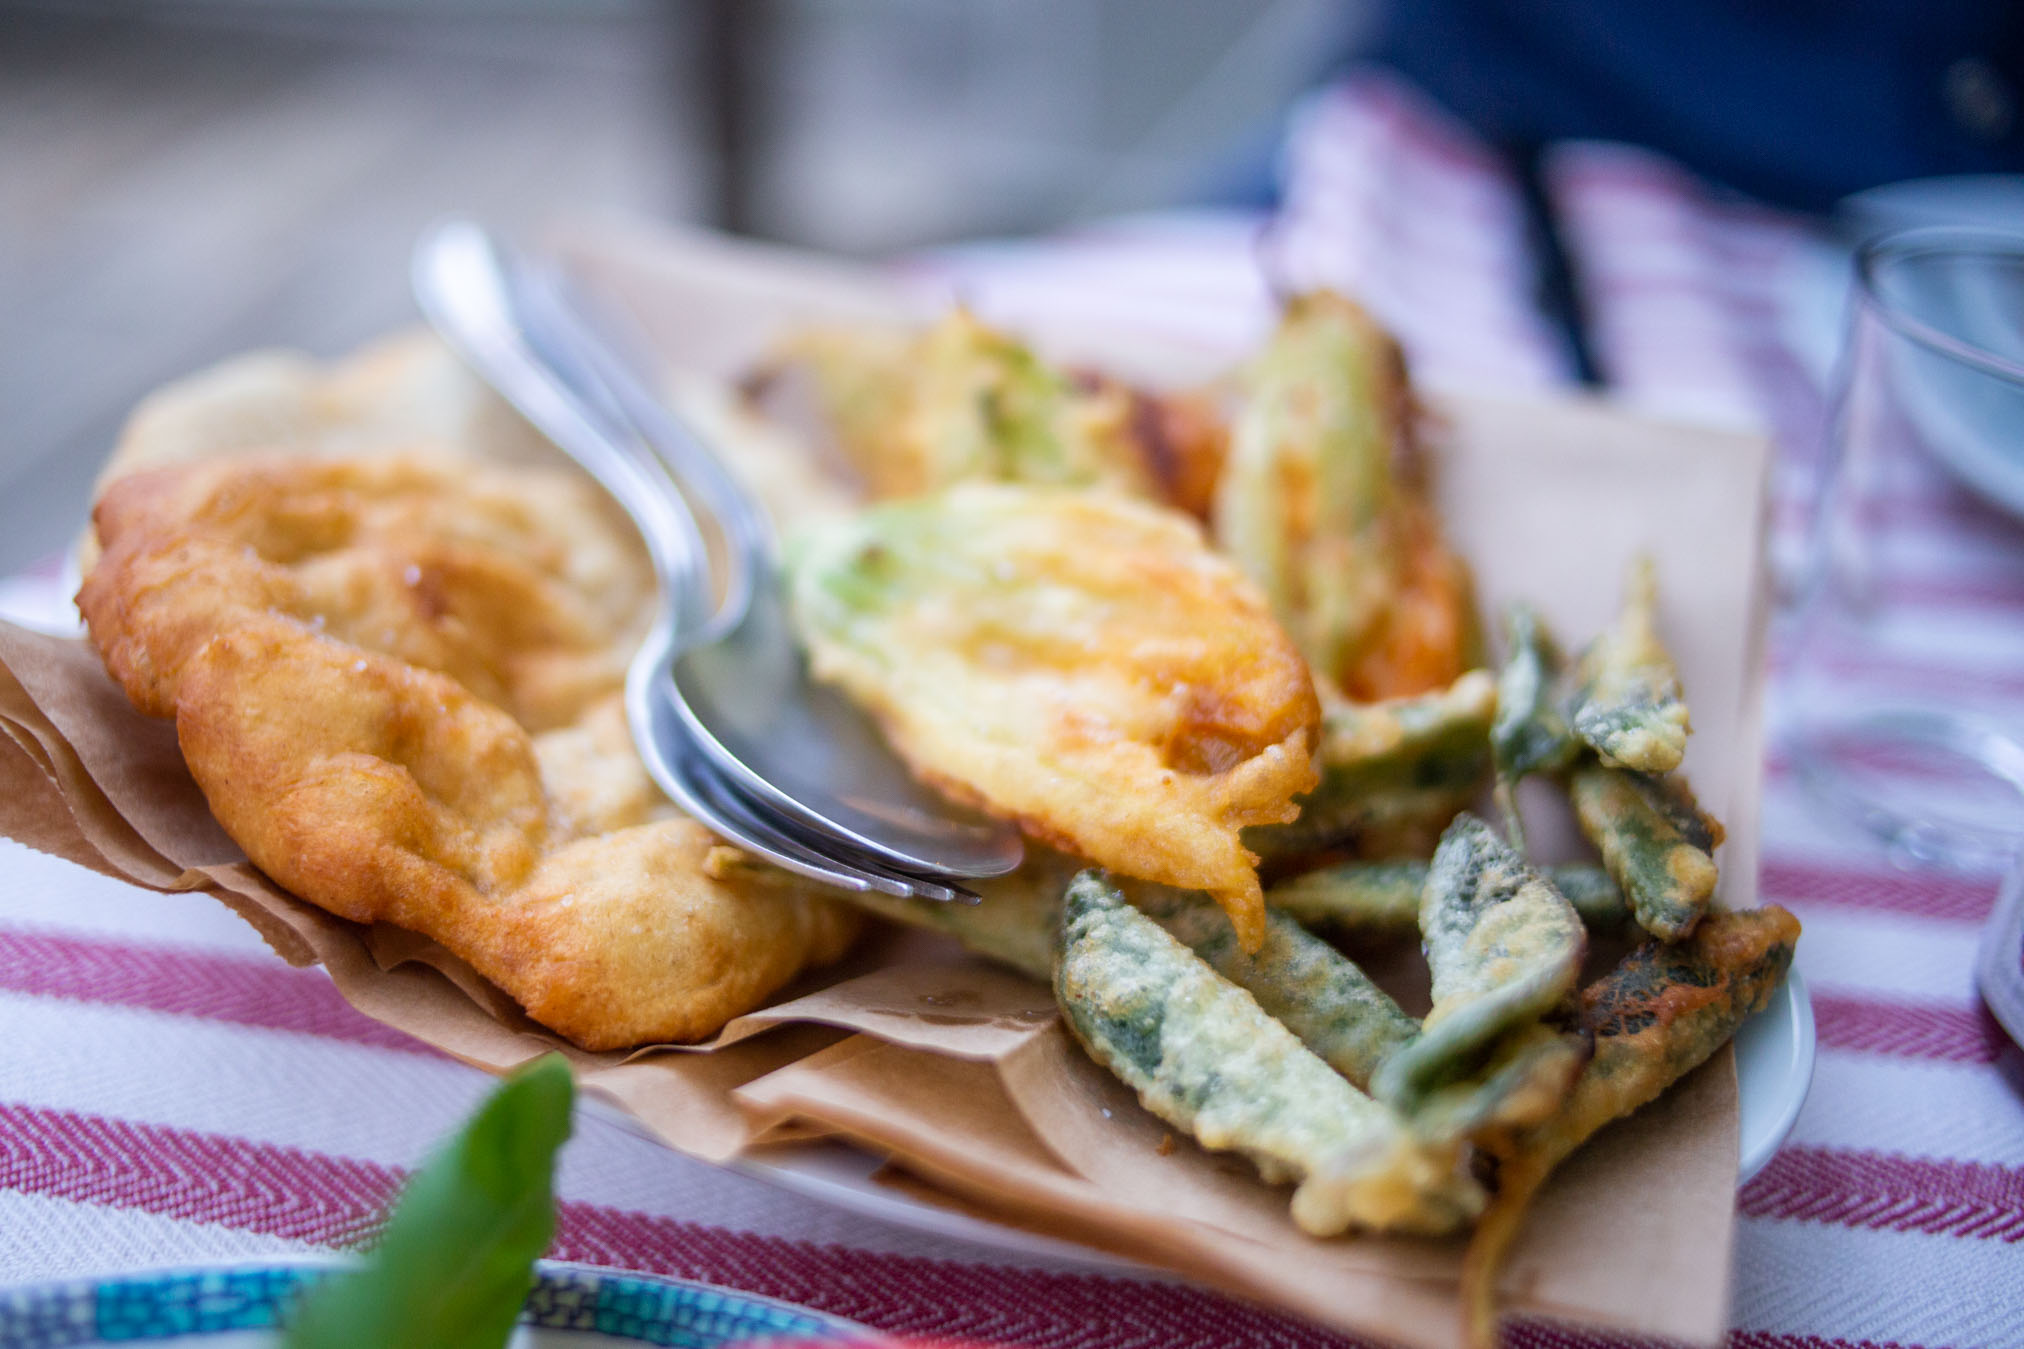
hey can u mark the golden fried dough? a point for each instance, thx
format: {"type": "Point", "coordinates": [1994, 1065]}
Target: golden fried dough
{"type": "Point", "coordinates": [409, 395]}
{"type": "Point", "coordinates": [1077, 661]}
{"type": "Point", "coordinates": [402, 394]}
{"type": "Point", "coordinates": [397, 680]}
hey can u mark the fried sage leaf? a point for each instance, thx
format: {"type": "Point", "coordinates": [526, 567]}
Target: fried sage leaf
{"type": "Point", "coordinates": [1672, 798]}
{"type": "Point", "coordinates": [1594, 894]}
{"type": "Point", "coordinates": [1076, 661]}
{"type": "Point", "coordinates": [1203, 1056]}
{"type": "Point", "coordinates": [1374, 901]}
{"type": "Point", "coordinates": [1503, 946]}
{"type": "Point", "coordinates": [1335, 1010]}
{"type": "Point", "coordinates": [1654, 1018]}
{"type": "Point", "coordinates": [1313, 989]}
{"type": "Point", "coordinates": [1655, 842]}
{"type": "Point", "coordinates": [1523, 1083]}
{"type": "Point", "coordinates": [1380, 901]}
{"type": "Point", "coordinates": [1627, 702]}
{"type": "Point", "coordinates": [1393, 773]}
{"type": "Point", "coordinates": [1528, 735]}
{"type": "Point", "coordinates": [1318, 504]}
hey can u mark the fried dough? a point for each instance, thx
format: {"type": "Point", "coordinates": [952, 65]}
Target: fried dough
{"type": "Point", "coordinates": [397, 680]}
{"type": "Point", "coordinates": [409, 394]}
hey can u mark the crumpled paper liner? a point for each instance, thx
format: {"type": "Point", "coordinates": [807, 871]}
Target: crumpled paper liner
{"type": "Point", "coordinates": [959, 1073]}
{"type": "Point", "coordinates": [957, 1070]}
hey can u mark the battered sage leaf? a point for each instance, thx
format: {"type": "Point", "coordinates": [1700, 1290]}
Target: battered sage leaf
{"type": "Point", "coordinates": [1203, 1056]}
{"type": "Point", "coordinates": [1627, 702]}
{"type": "Point", "coordinates": [1655, 842]}
{"type": "Point", "coordinates": [1653, 1019]}
{"type": "Point", "coordinates": [1380, 901]}
{"type": "Point", "coordinates": [1015, 925]}
{"type": "Point", "coordinates": [1594, 894]}
{"type": "Point", "coordinates": [1313, 990]}
{"type": "Point", "coordinates": [1374, 901]}
{"type": "Point", "coordinates": [457, 1258]}
{"type": "Point", "coordinates": [1523, 1083]}
{"type": "Point", "coordinates": [1670, 796]}
{"type": "Point", "coordinates": [1529, 734]}
{"type": "Point", "coordinates": [1331, 1005]}
{"type": "Point", "coordinates": [1503, 947]}
{"type": "Point", "coordinates": [1393, 773]}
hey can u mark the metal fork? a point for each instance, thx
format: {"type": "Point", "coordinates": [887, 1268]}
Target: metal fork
{"type": "Point", "coordinates": [793, 746]}
{"type": "Point", "coordinates": [469, 290]}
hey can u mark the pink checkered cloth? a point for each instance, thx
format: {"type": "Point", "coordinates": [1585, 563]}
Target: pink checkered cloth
{"type": "Point", "coordinates": [170, 1092]}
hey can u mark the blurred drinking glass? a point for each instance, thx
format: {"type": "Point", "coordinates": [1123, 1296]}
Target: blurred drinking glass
{"type": "Point", "coordinates": [1905, 678]}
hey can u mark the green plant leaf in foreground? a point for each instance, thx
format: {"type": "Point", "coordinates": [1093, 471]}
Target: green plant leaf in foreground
{"type": "Point", "coordinates": [457, 1258]}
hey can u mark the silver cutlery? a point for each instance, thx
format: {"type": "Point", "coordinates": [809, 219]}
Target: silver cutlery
{"type": "Point", "coordinates": [722, 709]}
{"type": "Point", "coordinates": [741, 685]}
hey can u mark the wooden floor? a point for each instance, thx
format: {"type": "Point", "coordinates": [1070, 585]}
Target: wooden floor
{"type": "Point", "coordinates": [173, 193]}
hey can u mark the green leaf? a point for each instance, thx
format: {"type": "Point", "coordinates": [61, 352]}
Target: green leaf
{"type": "Point", "coordinates": [457, 1259]}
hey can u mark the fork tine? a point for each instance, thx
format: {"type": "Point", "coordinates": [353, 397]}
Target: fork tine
{"type": "Point", "coordinates": [757, 818]}
{"type": "Point", "coordinates": [770, 834]}
{"type": "Point", "coordinates": [682, 773]}
{"type": "Point", "coordinates": [735, 817]}
{"type": "Point", "coordinates": [695, 785]}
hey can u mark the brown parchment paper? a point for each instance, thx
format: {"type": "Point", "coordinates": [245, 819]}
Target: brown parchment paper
{"type": "Point", "coordinates": [959, 1073]}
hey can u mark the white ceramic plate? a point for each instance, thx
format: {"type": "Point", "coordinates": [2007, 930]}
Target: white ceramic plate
{"type": "Point", "coordinates": [1774, 1070]}
{"type": "Point", "coordinates": [238, 1305]}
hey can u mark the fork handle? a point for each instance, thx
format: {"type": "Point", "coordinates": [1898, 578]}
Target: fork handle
{"type": "Point", "coordinates": [466, 285]}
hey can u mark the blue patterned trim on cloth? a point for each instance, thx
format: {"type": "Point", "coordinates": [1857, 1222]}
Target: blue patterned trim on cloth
{"type": "Point", "coordinates": [207, 1302]}
{"type": "Point", "coordinates": [648, 1311]}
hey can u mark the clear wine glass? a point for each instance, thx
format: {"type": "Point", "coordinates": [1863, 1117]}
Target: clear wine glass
{"type": "Point", "coordinates": [1903, 695]}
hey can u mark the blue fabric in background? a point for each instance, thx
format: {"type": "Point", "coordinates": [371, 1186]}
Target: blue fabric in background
{"type": "Point", "coordinates": [1797, 102]}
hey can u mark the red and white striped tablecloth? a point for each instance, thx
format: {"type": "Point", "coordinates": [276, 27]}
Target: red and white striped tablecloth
{"type": "Point", "coordinates": [169, 1091]}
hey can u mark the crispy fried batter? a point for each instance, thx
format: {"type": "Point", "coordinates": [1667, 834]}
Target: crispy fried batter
{"type": "Point", "coordinates": [1077, 661]}
{"type": "Point", "coordinates": [1654, 1018]}
{"type": "Point", "coordinates": [397, 681]}
{"type": "Point", "coordinates": [1393, 773]}
{"type": "Point", "coordinates": [1627, 701]}
{"type": "Point", "coordinates": [965, 402]}
{"type": "Point", "coordinates": [1503, 945]}
{"type": "Point", "coordinates": [394, 395]}
{"type": "Point", "coordinates": [1203, 1055]}
{"type": "Point", "coordinates": [1321, 502]}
